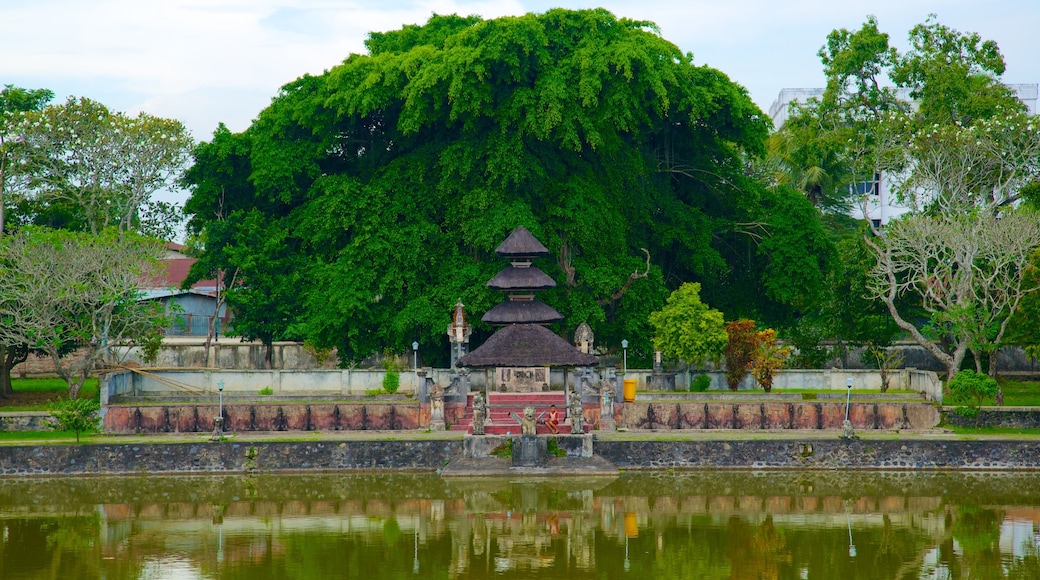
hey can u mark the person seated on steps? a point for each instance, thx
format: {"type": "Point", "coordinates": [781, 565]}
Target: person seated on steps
{"type": "Point", "coordinates": [552, 421]}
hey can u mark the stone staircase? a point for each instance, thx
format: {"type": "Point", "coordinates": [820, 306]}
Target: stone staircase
{"type": "Point", "coordinates": [500, 405]}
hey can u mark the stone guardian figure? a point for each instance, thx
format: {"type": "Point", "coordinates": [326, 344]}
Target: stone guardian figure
{"type": "Point", "coordinates": [479, 414]}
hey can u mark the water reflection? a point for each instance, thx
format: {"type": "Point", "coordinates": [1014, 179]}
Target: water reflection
{"type": "Point", "coordinates": [699, 525]}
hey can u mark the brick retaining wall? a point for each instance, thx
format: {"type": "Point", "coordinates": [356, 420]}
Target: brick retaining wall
{"type": "Point", "coordinates": [774, 415]}
{"type": "Point", "coordinates": [192, 418]}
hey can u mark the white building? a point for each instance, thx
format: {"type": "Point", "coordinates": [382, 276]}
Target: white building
{"type": "Point", "coordinates": [881, 205]}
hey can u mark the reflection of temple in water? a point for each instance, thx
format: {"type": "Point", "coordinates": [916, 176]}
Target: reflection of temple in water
{"type": "Point", "coordinates": [508, 529]}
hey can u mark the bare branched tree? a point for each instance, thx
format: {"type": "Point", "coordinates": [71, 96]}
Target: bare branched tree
{"type": "Point", "coordinates": [63, 289]}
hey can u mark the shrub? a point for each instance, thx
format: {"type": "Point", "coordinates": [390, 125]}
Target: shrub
{"type": "Point", "coordinates": [769, 358]}
{"type": "Point", "coordinates": [266, 391]}
{"type": "Point", "coordinates": [740, 350]}
{"type": "Point", "coordinates": [883, 359]}
{"type": "Point", "coordinates": [971, 388]}
{"type": "Point", "coordinates": [392, 378]}
{"type": "Point", "coordinates": [76, 415]}
{"type": "Point", "coordinates": [150, 346]}
{"type": "Point", "coordinates": [700, 383]}
{"type": "Point", "coordinates": [391, 381]}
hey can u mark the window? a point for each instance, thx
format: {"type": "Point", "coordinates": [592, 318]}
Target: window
{"type": "Point", "coordinates": [867, 187]}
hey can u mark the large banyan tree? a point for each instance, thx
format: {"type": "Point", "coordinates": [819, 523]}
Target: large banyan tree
{"type": "Point", "coordinates": [362, 203]}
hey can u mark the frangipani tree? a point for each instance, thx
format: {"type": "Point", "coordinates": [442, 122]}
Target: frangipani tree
{"type": "Point", "coordinates": [105, 165]}
{"type": "Point", "coordinates": [61, 288]}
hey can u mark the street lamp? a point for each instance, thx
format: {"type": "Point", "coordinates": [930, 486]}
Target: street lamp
{"type": "Point", "coordinates": [848, 397]}
{"type": "Point", "coordinates": [218, 421]}
{"type": "Point", "coordinates": [846, 429]}
{"type": "Point", "coordinates": [624, 347]}
{"type": "Point", "coordinates": [627, 565]}
{"type": "Point", "coordinates": [848, 520]}
{"type": "Point", "coordinates": [415, 355]}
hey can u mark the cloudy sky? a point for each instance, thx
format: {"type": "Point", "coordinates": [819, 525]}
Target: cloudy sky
{"type": "Point", "coordinates": [210, 61]}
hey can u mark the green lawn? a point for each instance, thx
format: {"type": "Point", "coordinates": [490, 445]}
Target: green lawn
{"type": "Point", "coordinates": [1020, 393]}
{"type": "Point", "coordinates": [34, 394]}
{"type": "Point", "coordinates": [30, 436]}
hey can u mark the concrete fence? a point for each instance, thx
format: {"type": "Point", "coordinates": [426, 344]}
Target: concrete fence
{"type": "Point", "coordinates": [187, 384]}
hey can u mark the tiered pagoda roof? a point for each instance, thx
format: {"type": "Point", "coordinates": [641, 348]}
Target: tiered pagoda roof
{"type": "Point", "coordinates": [524, 341]}
{"type": "Point", "coordinates": [520, 281]}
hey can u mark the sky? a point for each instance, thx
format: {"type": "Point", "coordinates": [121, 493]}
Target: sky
{"type": "Point", "coordinates": [204, 62]}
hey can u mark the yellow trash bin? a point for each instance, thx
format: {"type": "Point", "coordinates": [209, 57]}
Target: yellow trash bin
{"type": "Point", "coordinates": [631, 525]}
{"type": "Point", "coordinates": [629, 391]}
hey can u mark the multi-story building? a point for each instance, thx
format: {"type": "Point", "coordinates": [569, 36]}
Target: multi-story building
{"type": "Point", "coordinates": [880, 204]}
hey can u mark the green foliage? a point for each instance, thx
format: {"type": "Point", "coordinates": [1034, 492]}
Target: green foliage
{"type": "Point", "coordinates": [265, 392]}
{"type": "Point", "coordinates": [769, 357]}
{"type": "Point", "coordinates": [504, 450]}
{"type": "Point", "coordinates": [119, 163]}
{"type": "Point", "coordinates": [700, 383]}
{"type": "Point", "coordinates": [885, 360]}
{"type": "Point", "coordinates": [971, 389]}
{"type": "Point", "coordinates": [367, 200]}
{"type": "Point", "coordinates": [76, 415]}
{"type": "Point", "coordinates": [150, 345]}
{"type": "Point", "coordinates": [89, 300]}
{"type": "Point", "coordinates": [740, 350]}
{"type": "Point", "coordinates": [391, 381]}
{"type": "Point", "coordinates": [553, 448]}
{"type": "Point", "coordinates": [392, 375]}
{"type": "Point", "coordinates": [688, 329]}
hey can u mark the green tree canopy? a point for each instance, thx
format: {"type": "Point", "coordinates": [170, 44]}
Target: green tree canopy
{"type": "Point", "coordinates": [687, 329]}
{"type": "Point", "coordinates": [393, 177]}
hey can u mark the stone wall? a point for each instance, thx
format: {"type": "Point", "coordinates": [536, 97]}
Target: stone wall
{"type": "Point", "coordinates": [190, 418]}
{"type": "Point", "coordinates": [226, 457]}
{"type": "Point", "coordinates": [822, 454]}
{"type": "Point", "coordinates": [1005, 417]}
{"type": "Point", "coordinates": [25, 421]}
{"type": "Point", "coordinates": [430, 455]}
{"type": "Point", "coordinates": [774, 415]}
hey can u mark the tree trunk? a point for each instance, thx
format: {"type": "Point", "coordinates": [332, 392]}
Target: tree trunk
{"type": "Point", "coordinates": [977, 355]}
{"type": "Point", "coordinates": [9, 358]}
{"type": "Point", "coordinates": [268, 354]}
{"type": "Point", "coordinates": [5, 375]}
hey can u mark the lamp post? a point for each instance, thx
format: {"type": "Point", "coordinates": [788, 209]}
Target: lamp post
{"type": "Point", "coordinates": [846, 429]}
{"type": "Point", "coordinates": [627, 565]}
{"type": "Point", "coordinates": [848, 397]}
{"type": "Point", "coordinates": [624, 348]}
{"type": "Point", "coordinates": [848, 520]}
{"type": "Point", "coordinates": [218, 421]}
{"type": "Point", "coordinates": [415, 363]}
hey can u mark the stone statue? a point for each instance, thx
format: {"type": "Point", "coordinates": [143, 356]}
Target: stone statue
{"type": "Point", "coordinates": [479, 414]}
{"type": "Point", "coordinates": [577, 415]}
{"type": "Point", "coordinates": [528, 423]}
{"type": "Point", "coordinates": [436, 407]}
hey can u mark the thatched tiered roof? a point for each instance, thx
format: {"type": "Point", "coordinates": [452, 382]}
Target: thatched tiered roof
{"type": "Point", "coordinates": [526, 345]}
{"type": "Point", "coordinates": [525, 278]}
{"type": "Point", "coordinates": [521, 244]}
{"type": "Point", "coordinates": [521, 312]}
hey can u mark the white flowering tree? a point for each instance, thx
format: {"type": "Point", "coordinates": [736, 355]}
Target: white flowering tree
{"type": "Point", "coordinates": [963, 249]}
{"type": "Point", "coordinates": [15, 102]}
{"type": "Point", "coordinates": [105, 166]}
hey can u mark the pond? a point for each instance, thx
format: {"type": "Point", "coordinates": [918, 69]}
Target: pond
{"type": "Point", "coordinates": [649, 526]}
